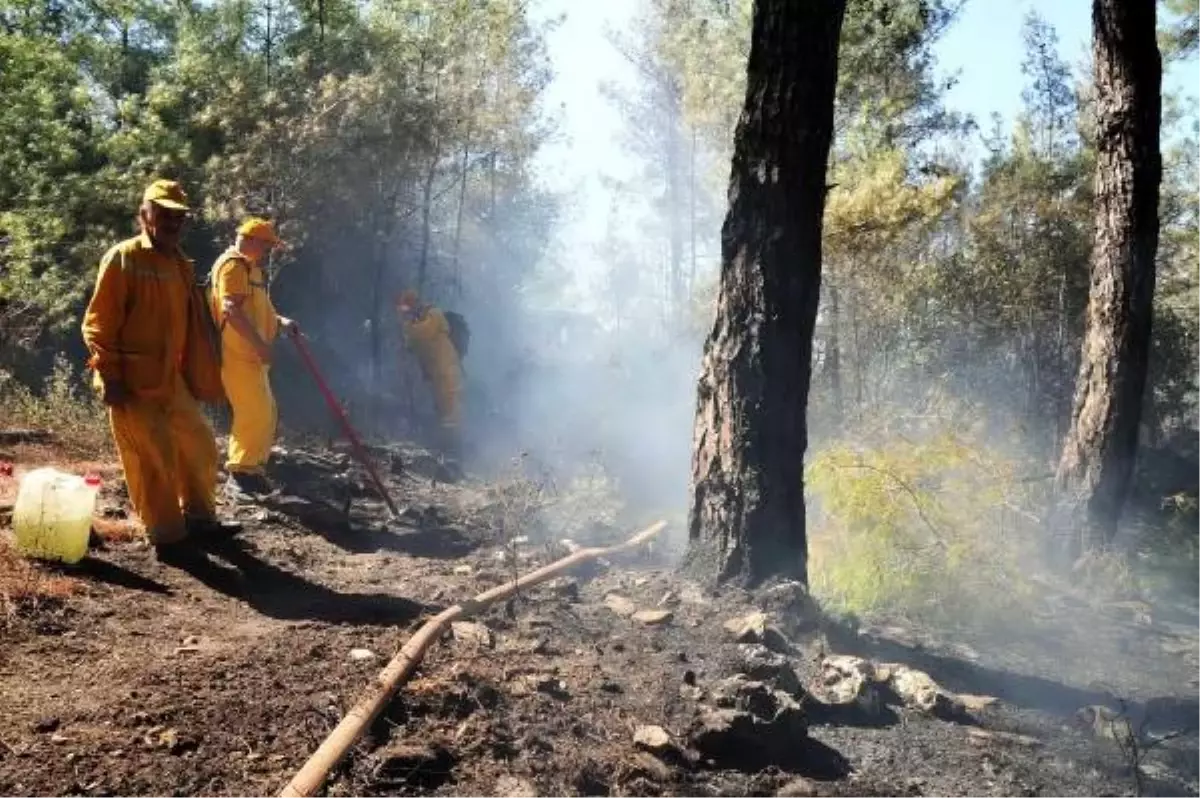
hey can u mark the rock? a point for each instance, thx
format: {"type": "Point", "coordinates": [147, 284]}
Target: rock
{"type": "Point", "coordinates": [748, 628]}
{"type": "Point", "coordinates": [798, 787]}
{"type": "Point", "coordinates": [462, 570]}
{"type": "Point", "coordinates": [850, 681]}
{"type": "Point", "coordinates": [738, 738]}
{"type": "Point", "coordinates": [620, 605]}
{"type": "Point", "coordinates": [512, 787]}
{"type": "Point", "coordinates": [362, 654]}
{"type": "Point", "coordinates": [690, 692]}
{"type": "Point", "coordinates": [920, 692]}
{"type": "Point", "coordinates": [46, 725]}
{"type": "Point", "coordinates": [976, 703]}
{"type": "Point", "coordinates": [755, 628]}
{"type": "Point", "coordinates": [761, 700]}
{"type": "Point", "coordinates": [759, 662]}
{"type": "Point", "coordinates": [59, 739]}
{"type": "Point", "coordinates": [609, 686]}
{"type": "Point", "coordinates": [981, 737]}
{"type": "Point", "coordinates": [752, 725]}
{"type": "Point", "coordinates": [191, 641]}
{"type": "Point", "coordinates": [653, 617]}
{"type": "Point", "coordinates": [652, 738]}
{"type": "Point", "coordinates": [473, 633]}
{"type": "Point", "coordinates": [667, 599]}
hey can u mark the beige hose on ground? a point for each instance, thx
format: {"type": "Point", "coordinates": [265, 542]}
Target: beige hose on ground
{"type": "Point", "coordinates": [312, 775]}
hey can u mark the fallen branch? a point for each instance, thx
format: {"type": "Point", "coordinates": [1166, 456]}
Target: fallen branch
{"type": "Point", "coordinates": [313, 773]}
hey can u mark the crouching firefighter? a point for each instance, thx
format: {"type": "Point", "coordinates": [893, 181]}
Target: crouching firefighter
{"type": "Point", "coordinates": [153, 358]}
{"type": "Point", "coordinates": [439, 340]}
{"type": "Point", "coordinates": [242, 310]}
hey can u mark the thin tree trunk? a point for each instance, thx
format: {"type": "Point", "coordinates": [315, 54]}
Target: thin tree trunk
{"type": "Point", "coordinates": [746, 520]}
{"type": "Point", "coordinates": [675, 204]}
{"type": "Point", "coordinates": [426, 213]}
{"type": "Point", "coordinates": [692, 216]}
{"type": "Point", "coordinates": [1098, 453]}
{"type": "Point", "coordinates": [462, 201]}
{"type": "Point", "coordinates": [833, 359]}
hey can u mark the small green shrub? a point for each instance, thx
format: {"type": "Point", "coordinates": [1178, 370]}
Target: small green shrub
{"type": "Point", "coordinates": [66, 406]}
{"type": "Point", "coordinates": [924, 520]}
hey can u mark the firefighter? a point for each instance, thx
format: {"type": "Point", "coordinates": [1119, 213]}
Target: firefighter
{"type": "Point", "coordinates": [243, 310]}
{"type": "Point", "coordinates": [428, 334]}
{"type": "Point", "coordinates": [136, 330]}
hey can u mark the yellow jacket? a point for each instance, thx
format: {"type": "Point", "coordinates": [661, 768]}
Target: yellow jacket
{"type": "Point", "coordinates": [429, 337]}
{"type": "Point", "coordinates": [235, 275]}
{"type": "Point", "coordinates": [135, 326]}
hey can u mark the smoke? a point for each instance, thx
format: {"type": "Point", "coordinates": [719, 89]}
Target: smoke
{"type": "Point", "coordinates": [593, 370]}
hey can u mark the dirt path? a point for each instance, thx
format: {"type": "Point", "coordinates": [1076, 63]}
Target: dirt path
{"type": "Point", "coordinates": [223, 678]}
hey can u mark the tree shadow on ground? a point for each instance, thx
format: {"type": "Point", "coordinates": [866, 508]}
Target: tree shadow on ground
{"type": "Point", "coordinates": [279, 594]}
{"type": "Point", "coordinates": [353, 533]}
{"type": "Point", "coordinates": [1019, 690]}
{"type": "Point", "coordinates": [821, 714]}
{"type": "Point", "coordinates": [817, 760]}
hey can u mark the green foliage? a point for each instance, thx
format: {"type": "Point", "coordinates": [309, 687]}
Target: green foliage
{"type": "Point", "coordinates": [1179, 35]}
{"type": "Point", "coordinates": [920, 516]}
{"type": "Point", "coordinates": [64, 405]}
{"type": "Point", "coordinates": [391, 141]}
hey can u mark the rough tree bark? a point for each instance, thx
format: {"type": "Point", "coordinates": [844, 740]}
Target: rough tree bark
{"type": "Point", "coordinates": [1098, 454]}
{"type": "Point", "coordinates": [746, 519]}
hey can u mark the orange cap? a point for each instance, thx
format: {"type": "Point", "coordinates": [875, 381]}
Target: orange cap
{"type": "Point", "coordinates": [167, 193]}
{"type": "Point", "coordinates": [260, 229]}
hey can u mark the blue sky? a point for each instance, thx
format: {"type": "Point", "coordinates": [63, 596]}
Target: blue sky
{"type": "Point", "coordinates": [983, 47]}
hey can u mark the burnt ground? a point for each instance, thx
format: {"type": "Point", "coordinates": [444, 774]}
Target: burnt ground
{"type": "Point", "coordinates": [223, 678]}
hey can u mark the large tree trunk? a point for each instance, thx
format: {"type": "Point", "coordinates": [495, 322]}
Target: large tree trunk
{"type": "Point", "coordinates": [1098, 452]}
{"type": "Point", "coordinates": [747, 509]}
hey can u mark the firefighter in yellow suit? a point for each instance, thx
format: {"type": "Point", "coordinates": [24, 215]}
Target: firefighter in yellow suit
{"type": "Point", "coordinates": [428, 335]}
{"type": "Point", "coordinates": [249, 324]}
{"type": "Point", "coordinates": [136, 328]}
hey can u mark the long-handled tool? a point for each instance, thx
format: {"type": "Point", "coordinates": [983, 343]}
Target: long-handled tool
{"type": "Point", "coordinates": [360, 451]}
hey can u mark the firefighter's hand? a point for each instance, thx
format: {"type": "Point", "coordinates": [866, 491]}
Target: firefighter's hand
{"type": "Point", "coordinates": [289, 326]}
{"type": "Point", "coordinates": [114, 393]}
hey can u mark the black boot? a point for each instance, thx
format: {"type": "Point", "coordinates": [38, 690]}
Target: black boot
{"type": "Point", "coordinates": [247, 484]}
{"type": "Point", "coordinates": [200, 527]}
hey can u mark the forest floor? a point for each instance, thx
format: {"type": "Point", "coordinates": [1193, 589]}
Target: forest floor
{"type": "Point", "coordinates": [125, 676]}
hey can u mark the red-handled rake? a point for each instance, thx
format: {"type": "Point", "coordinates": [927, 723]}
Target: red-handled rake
{"type": "Point", "coordinates": [360, 451]}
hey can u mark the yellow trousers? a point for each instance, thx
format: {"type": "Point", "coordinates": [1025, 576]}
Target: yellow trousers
{"type": "Point", "coordinates": [248, 388]}
{"type": "Point", "coordinates": [447, 400]}
{"type": "Point", "coordinates": [169, 456]}
{"type": "Point", "coordinates": [447, 393]}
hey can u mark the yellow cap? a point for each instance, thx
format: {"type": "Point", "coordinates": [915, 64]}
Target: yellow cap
{"type": "Point", "coordinates": [167, 193]}
{"type": "Point", "coordinates": [260, 229]}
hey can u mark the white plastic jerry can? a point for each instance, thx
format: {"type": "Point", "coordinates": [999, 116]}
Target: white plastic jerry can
{"type": "Point", "coordinates": [52, 518]}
